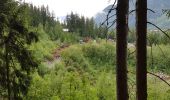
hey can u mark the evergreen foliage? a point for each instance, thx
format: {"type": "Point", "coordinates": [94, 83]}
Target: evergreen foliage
{"type": "Point", "coordinates": [16, 62]}
{"type": "Point", "coordinates": [85, 27]}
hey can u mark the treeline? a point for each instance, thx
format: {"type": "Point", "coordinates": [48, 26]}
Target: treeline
{"type": "Point", "coordinates": [41, 16]}
{"type": "Point", "coordinates": [80, 24]}
{"type": "Point", "coordinates": [77, 25]}
{"type": "Point", "coordinates": [85, 27]}
{"type": "Point", "coordinates": [153, 37]}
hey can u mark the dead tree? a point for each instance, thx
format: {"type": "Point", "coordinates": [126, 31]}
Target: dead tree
{"type": "Point", "coordinates": [121, 51]}
{"type": "Point", "coordinates": [141, 29]}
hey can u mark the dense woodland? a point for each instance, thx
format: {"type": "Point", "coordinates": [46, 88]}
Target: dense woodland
{"type": "Point", "coordinates": [40, 61]}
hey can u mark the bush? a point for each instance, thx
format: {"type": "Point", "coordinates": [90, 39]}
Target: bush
{"type": "Point", "coordinates": [157, 89]}
{"type": "Point", "coordinates": [43, 69]}
{"type": "Point", "coordinates": [73, 57]}
{"type": "Point", "coordinates": [100, 54]}
{"type": "Point", "coordinates": [70, 38]}
{"type": "Point", "coordinates": [43, 48]}
{"type": "Point", "coordinates": [161, 58]}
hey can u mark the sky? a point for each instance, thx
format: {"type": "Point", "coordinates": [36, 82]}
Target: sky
{"type": "Point", "coordinates": [61, 8]}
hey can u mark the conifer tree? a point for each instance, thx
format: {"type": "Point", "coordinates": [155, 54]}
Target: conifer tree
{"type": "Point", "coordinates": [141, 30]}
{"type": "Point", "coordinates": [16, 62]}
{"type": "Point", "coordinates": [121, 49]}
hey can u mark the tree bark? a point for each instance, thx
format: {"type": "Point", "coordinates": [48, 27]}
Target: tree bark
{"type": "Point", "coordinates": [121, 49]}
{"type": "Point", "coordinates": [141, 28]}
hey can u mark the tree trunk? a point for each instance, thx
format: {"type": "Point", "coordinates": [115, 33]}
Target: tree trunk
{"type": "Point", "coordinates": [141, 28]}
{"type": "Point", "coordinates": [121, 49]}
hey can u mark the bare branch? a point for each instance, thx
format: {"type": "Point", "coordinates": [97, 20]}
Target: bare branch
{"type": "Point", "coordinates": [114, 4]}
{"type": "Point", "coordinates": [107, 16]}
{"type": "Point", "coordinates": [147, 9]}
{"type": "Point", "coordinates": [112, 24]}
{"type": "Point", "coordinates": [131, 53]}
{"type": "Point", "coordinates": [132, 11]}
{"type": "Point", "coordinates": [107, 19]}
{"type": "Point", "coordinates": [159, 29]}
{"type": "Point", "coordinates": [151, 10]}
{"type": "Point", "coordinates": [159, 78]}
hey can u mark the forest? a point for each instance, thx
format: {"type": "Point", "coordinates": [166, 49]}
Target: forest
{"type": "Point", "coordinates": [42, 58]}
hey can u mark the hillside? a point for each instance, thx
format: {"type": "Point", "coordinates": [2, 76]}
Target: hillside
{"type": "Point", "coordinates": [157, 18]}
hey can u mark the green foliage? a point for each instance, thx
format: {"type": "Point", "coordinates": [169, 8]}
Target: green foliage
{"type": "Point", "coordinates": [17, 63]}
{"type": "Point", "coordinates": [165, 40]}
{"type": "Point", "coordinates": [68, 38]}
{"type": "Point", "coordinates": [78, 77]}
{"type": "Point", "coordinates": [75, 58]}
{"type": "Point", "coordinates": [40, 15]}
{"type": "Point", "coordinates": [85, 27]}
{"type": "Point", "coordinates": [84, 72]}
{"type": "Point", "coordinates": [158, 38]}
{"type": "Point", "coordinates": [102, 54]}
{"type": "Point", "coordinates": [73, 79]}
{"type": "Point", "coordinates": [111, 35]}
{"type": "Point", "coordinates": [62, 84]}
{"type": "Point", "coordinates": [131, 36]}
{"type": "Point", "coordinates": [99, 55]}
{"type": "Point", "coordinates": [154, 38]}
{"type": "Point", "coordinates": [157, 90]}
{"type": "Point", "coordinates": [106, 86]}
{"type": "Point", "coordinates": [160, 60]}
{"type": "Point", "coordinates": [42, 50]}
{"type": "Point", "coordinates": [43, 69]}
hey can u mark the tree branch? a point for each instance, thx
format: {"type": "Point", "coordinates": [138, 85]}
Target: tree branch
{"type": "Point", "coordinates": [159, 29]}
{"type": "Point", "coordinates": [159, 77]}
{"type": "Point", "coordinates": [112, 23]}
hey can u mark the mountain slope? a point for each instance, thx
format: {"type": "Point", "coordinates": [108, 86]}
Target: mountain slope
{"type": "Point", "coordinates": [157, 18]}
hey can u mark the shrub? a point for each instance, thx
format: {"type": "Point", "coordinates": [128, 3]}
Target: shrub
{"type": "Point", "coordinates": [161, 58]}
{"type": "Point", "coordinates": [100, 54]}
{"type": "Point", "coordinates": [73, 57]}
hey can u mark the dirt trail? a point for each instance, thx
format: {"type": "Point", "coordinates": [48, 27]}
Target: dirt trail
{"type": "Point", "coordinates": [56, 55]}
{"type": "Point", "coordinates": [57, 52]}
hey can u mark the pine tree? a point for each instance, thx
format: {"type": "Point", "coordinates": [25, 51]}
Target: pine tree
{"type": "Point", "coordinates": [121, 51]}
{"type": "Point", "coordinates": [16, 62]}
{"type": "Point", "coordinates": [141, 29]}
